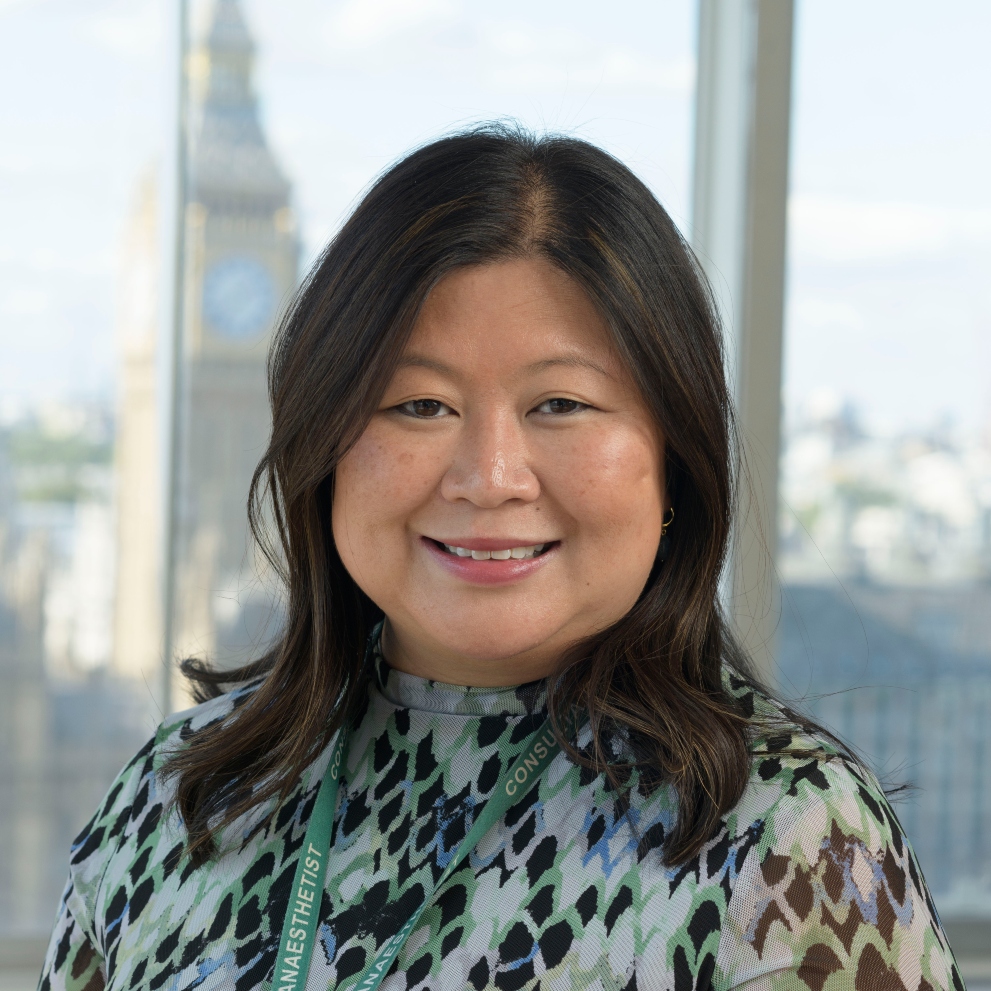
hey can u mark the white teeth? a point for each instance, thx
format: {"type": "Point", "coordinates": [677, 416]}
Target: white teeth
{"type": "Point", "coordinates": [516, 553]}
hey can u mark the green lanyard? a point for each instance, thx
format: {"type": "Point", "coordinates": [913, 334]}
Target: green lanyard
{"type": "Point", "coordinates": [299, 930]}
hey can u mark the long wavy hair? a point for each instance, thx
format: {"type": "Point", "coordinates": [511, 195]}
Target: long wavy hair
{"type": "Point", "coordinates": [476, 197]}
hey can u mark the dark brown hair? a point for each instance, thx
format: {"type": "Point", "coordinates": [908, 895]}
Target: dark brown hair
{"type": "Point", "coordinates": [471, 198]}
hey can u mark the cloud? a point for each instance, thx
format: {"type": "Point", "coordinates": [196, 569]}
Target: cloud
{"type": "Point", "coordinates": [522, 64]}
{"type": "Point", "coordinates": [839, 230]}
{"type": "Point", "coordinates": [507, 55]}
{"type": "Point", "coordinates": [819, 313]}
{"type": "Point", "coordinates": [524, 56]}
{"type": "Point", "coordinates": [135, 31]}
{"type": "Point", "coordinates": [25, 302]}
{"type": "Point", "coordinates": [364, 22]}
{"type": "Point", "coordinates": [16, 162]}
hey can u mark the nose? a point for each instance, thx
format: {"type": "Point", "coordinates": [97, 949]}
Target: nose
{"type": "Point", "coordinates": [491, 463]}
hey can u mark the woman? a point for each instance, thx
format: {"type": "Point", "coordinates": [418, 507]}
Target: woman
{"type": "Point", "coordinates": [505, 740]}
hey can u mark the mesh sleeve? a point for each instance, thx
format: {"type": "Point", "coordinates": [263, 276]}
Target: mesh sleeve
{"type": "Point", "coordinates": [832, 898]}
{"type": "Point", "coordinates": [72, 962]}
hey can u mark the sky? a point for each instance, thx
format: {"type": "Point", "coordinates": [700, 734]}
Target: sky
{"type": "Point", "coordinates": [890, 211]}
{"type": "Point", "coordinates": [890, 216]}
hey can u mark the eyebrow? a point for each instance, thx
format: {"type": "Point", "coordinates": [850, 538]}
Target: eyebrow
{"type": "Point", "coordinates": [568, 361]}
{"type": "Point", "coordinates": [418, 361]}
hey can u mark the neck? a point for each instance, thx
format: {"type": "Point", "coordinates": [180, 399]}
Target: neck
{"type": "Point", "coordinates": [438, 663]}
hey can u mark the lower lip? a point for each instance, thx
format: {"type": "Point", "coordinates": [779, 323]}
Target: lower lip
{"type": "Point", "coordinates": [489, 572]}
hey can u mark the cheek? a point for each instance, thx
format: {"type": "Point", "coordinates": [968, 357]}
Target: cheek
{"type": "Point", "coordinates": [611, 484]}
{"type": "Point", "coordinates": [379, 482]}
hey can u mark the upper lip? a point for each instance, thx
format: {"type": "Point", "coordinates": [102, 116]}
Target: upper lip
{"type": "Point", "coordinates": [489, 543]}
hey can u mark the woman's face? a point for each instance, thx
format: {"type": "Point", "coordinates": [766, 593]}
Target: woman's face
{"type": "Point", "coordinates": [506, 499]}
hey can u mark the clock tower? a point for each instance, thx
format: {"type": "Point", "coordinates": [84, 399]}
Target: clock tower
{"type": "Point", "coordinates": [241, 258]}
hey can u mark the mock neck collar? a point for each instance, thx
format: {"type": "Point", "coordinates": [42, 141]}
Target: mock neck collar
{"type": "Point", "coordinates": [411, 692]}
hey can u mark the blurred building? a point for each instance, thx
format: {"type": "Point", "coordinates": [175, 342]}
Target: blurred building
{"type": "Point", "coordinates": [67, 723]}
{"type": "Point", "coordinates": [24, 833]}
{"type": "Point", "coordinates": [81, 491]}
{"type": "Point", "coordinates": [885, 631]}
{"type": "Point", "coordinates": [137, 615]}
{"type": "Point", "coordinates": [241, 259]}
{"type": "Point", "coordinates": [910, 509]}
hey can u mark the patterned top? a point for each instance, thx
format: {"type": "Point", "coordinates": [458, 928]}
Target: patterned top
{"type": "Point", "coordinates": [808, 885]}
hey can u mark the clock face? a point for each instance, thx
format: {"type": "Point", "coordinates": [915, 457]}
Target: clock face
{"type": "Point", "coordinates": [239, 298]}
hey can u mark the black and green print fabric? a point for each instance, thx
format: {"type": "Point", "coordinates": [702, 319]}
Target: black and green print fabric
{"type": "Point", "coordinates": [808, 885]}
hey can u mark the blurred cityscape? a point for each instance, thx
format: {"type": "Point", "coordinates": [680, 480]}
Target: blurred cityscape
{"type": "Point", "coordinates": [82, 492]}
{"type": "Point", "coordinates": [67, 719]}
{"type": "Point", "coordinates": [885, 634]}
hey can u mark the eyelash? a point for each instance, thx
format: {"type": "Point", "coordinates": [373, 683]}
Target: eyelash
{"type": "Point", "coordinates": [408, 408]}
{"type": "Point", "coordinates": [576, 406]}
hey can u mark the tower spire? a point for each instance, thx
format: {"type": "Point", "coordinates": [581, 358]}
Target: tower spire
{"type": "Point", "coordinates": [229, 156]}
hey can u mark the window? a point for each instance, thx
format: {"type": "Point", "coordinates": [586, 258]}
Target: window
{"type": "Point", "coordinates": [335, 93]}
{"type": "Point", "coordinates": [886, 471]}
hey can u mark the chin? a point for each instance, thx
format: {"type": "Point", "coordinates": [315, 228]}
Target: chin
{"type": "Point", "coordinates": [490, 639]}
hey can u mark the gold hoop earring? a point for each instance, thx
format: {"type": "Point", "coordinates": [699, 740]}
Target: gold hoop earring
{"type": "Point", "coordinates": [664, 548]}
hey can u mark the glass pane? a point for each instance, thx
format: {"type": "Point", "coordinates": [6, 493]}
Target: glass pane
{"type": "Point", "coordinates": [295, 107]}
{"type": "Point", "coordinates": [886, 474]}
{"type": "Point", "coordinates": [83, 103]}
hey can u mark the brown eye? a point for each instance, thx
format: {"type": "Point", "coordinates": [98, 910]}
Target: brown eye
{"type": "Point", "coordinates": [424, 409]}
{"type": "Point", "coordinates": [560, 406]}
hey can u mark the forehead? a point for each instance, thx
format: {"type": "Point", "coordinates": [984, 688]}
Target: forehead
{"type": "Point", "coordinates": [514, 311]}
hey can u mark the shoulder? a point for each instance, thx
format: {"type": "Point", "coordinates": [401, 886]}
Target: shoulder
{"type": "Point", "coordinates": [830, 884]}
{"type": "Point", "coordinates": [176, 730]}
{"type": "Point", "coordinates": [802, 780]}
{"type": "Point", "coordinates": [134, 810]}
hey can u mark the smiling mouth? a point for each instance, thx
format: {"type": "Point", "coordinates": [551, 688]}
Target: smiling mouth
{"type": "Point", "coordinates": [521, 553]}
